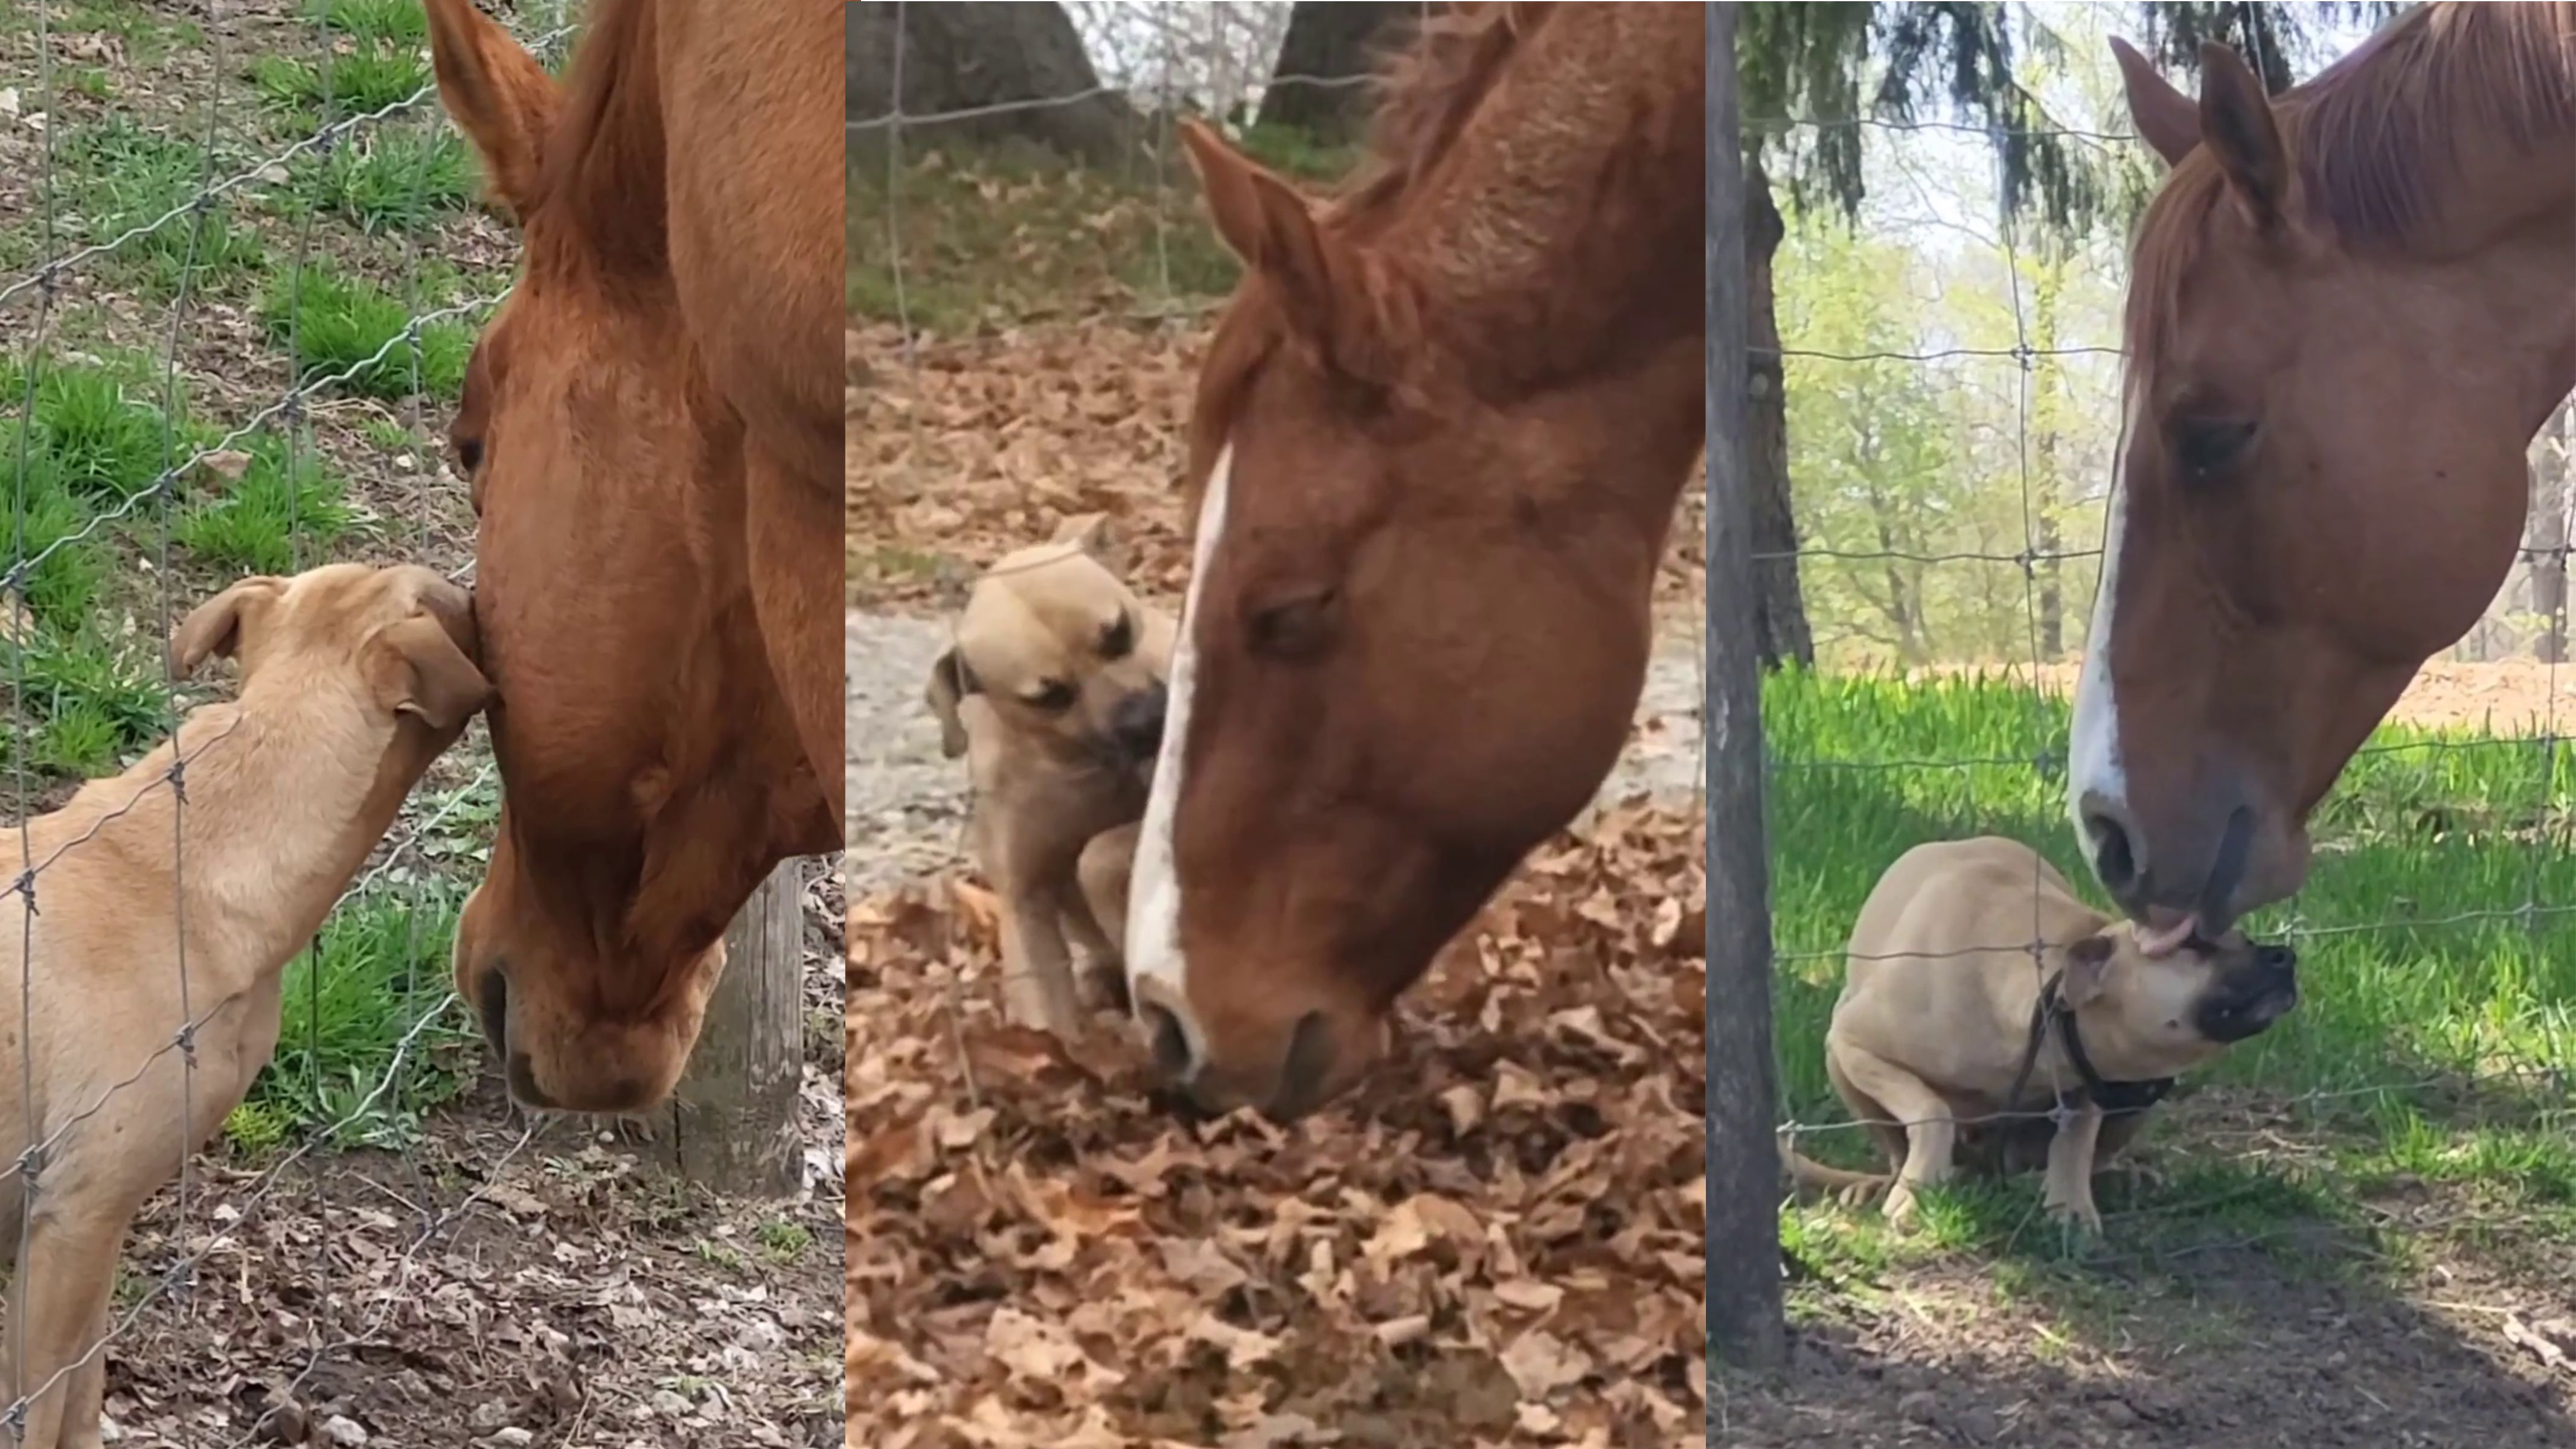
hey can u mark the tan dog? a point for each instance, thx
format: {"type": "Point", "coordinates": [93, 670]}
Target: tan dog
{"type": "Point", "coordinates": [353, 680]}
{"type": "Point", "coordinates": [1946, 1018]}
{"type": "Point", "coordinates": [1054, 692]}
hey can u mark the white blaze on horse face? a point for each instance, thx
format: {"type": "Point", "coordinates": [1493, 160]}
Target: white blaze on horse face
{"type": "Point", "coordinates": [1154, 883]}
{"type": "Point", "coordinates": [2093, 754]}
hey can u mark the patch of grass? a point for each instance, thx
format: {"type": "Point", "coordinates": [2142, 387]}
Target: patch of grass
{"type": "Point", "coordinates": [390, 180]}
{"type": "Point", "coordinates": [101, 431]}
{"type": "Point", "coordinates": [387, 22]}
{"type": "Point", "coordinates": [94, 701]}
{"type": "Point", "coordinates": [147, 37]}
{"type": "Point", "coordinates": [351, 998]}
{"type": "Point", "coordinates": [2441, 1022]}
{"type": "Point", "coordinates": [257, 524]}
{"type": "Point", "coordinates": [126, 175]}
{"type": "Point", "coordinates": [368, 77]}
{"type": "Point", "coordinates": [784, 1242]}
{"type": "Point", "coordinates": [336, 324]}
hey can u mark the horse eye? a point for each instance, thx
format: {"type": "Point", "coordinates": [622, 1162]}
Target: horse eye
{"type": "Point", "coordinates": [1293, 628]}
{"type": "Point", "coordinates": [2204, 448]}
{"type": "Point", "coordinates": [1054, 696]}
{"type": "Point", "coordinates": [1119, 639]}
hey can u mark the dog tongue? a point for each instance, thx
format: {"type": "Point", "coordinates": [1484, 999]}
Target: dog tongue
{"type": "Point", "coordinates": [2161, 940]}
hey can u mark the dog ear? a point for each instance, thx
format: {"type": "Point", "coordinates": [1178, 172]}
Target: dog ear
{"type": "Point", "coordinates": [2087, 971]}
{"type": "Point", "coordinates": [1086, 531]}
{"type": "Point", "coordinates": [422, 670]}
{"type": "Point", "coordinates": [950, 682]}
{"type": "Point", "coordinates": [215, 626]}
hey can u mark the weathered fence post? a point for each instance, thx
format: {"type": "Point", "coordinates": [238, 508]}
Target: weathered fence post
{"type": "Point", "coordinates": [731, 1126]}
{"type": "Point", "coordinates": [1744, 1322]}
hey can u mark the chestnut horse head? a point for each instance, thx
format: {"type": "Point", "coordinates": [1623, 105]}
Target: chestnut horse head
{"type": "Point", "coordinates": [2351, 309]}
{"type": "Point", "coordinates": [1437, 444]}
{"type": "Point", "coordinates": [651, 768]}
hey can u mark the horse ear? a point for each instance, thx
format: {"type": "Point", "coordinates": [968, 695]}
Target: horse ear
{"type": "Point", "coordinates": [1271, 228]}
{"type": "Point", "coordinates": [2237, 126]}
{"type": "Point", "coordinates": [2166, 118]}
{"type": "Point", "coordinates": [498, 96]}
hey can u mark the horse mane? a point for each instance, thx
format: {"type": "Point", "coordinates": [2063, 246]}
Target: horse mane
{"type": "Point", "coordinates": [1427, 89]}
{"type": "Point", "coordinates": [2374, 137]}
{"type": "Point", "coordinates": [601, 203]}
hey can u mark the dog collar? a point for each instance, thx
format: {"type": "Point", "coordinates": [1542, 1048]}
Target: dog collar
{"type": "Point", "coordinates": [2113, 1098]}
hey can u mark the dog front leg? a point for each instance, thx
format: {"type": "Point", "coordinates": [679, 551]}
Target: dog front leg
{"type": "Point", "coordinates": [1037, 966]}
{"type": "Point", "coordinates": [1931, 1132]}
{"type": "Point", "coordinates": [2070, 1170]}
{"type": "Point", "coordinates": [57, 1309]}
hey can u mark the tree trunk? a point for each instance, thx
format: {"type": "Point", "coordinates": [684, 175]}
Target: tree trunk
{"type": "Point", "coordinates": [965, 57]}
{"type": "Point", "coordinates": [2548, 534]}
{"type": "Point", "coordinates": [731, 1126]}
{"type": "Point", "coordinates": [2046, 376]}
{"type": "Point", "coordinates": [1328, 42]}
{"type": "Point", "coordinates": [1779, 613]}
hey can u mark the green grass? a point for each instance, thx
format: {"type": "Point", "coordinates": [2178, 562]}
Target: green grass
{"type": "Point", "coordinates": [387, 22]}
{"type": "Point", "coordinates": [368, 77]}
{"type": "Point", "coordinates": [123, 175]}
{"type": "Point", "coordinates": [996, 234]}
{"type": "Point", "coordinates": [93, 700]}
{"type": "Point", "coordinates": [376, 971]}
{"type": "Point", "coordinates": [337, 323]}
{"type": "Point", "coordinates": [261, 525]}
{"type": "Point", "coordinates": [390, 180]}
{"type": "Point", "coordinates": [2437, 1029]}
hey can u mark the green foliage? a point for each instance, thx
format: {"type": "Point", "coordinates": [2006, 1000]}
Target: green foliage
{"type": "Point", "coordinates": [261, 524]}
{"type": "Point", "coordinates": [127, 175]}
{"type": "Point", "coordinates": [336, 324]}
{"type": "Point", "coordinates": [373, 976]}
{"type": "Point", "coordinates": [391, 180]}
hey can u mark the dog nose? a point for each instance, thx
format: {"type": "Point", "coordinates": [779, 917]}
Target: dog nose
{"type": "Point", "coordinates": [1138, 722]}
{"type": "Point", "coordinates": [2113, 846]}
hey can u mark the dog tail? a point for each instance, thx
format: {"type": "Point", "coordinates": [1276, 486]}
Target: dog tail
{"type": "Point", "coordinates": [1806, 1172]}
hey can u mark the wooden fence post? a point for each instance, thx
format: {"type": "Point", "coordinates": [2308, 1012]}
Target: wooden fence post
{"type": "Point", "coordinates": [1744, 1312]}
{"type": "Point", "coordinates": [731, 1125]}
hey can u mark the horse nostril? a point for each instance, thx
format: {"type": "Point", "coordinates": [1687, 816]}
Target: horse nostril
{"type": "Point", "coordinates": [1171, 1043]}
{"type": "Point", "coordinates": [492, 1000]}
{"type": "Point", "coordinates": [2114, 860]}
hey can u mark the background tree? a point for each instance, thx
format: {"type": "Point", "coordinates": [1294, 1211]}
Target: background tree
{"type": "Point", "coordinates": [1812, 73]}
{"type": "Point", "coordinates": [1336, 42]}
{"type": "Point", "coordinates": [962, 57]}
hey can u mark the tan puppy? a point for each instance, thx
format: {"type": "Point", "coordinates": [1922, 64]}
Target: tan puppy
{"type": "Point", "coordinates": [1946, 1018]}
{"type": "Point", "coordinates": [1054, 693]}
{"type": "Point", "coordinates": [353, 680]}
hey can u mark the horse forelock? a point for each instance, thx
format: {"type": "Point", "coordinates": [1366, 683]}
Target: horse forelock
{"type": "Point", "coordinates": [1427, 91]}
{"type": "Point", "coordinates": [602, 200]}
{"type": "Point", "coordinates": [2374, 139]}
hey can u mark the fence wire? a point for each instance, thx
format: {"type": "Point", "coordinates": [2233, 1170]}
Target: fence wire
{"type": "Point", "coordinates": [35, 304]}
{"type": "Point", "coordinates": [2547, 1078]}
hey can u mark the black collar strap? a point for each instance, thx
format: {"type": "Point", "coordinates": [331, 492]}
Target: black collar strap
{"type": "Point", "coordinates": [2112, 1097]}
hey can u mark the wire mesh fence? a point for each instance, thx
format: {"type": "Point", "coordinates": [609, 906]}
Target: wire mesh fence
{"type": "Point", "coordinates": [238, 272]}
{"type": "Point", "coordinates": [1954, 436]}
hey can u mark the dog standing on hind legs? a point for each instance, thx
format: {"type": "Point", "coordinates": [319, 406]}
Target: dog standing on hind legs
{"type": "Point", "coordinates": [1054, 693]}
{"type": "Point", "coordinates": [353, 679]}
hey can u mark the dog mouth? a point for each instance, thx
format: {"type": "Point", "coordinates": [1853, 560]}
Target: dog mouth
{"type": "Point", "coordinates": [2233, 1018]}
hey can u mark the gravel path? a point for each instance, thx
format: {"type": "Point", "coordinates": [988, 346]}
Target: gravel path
{"type": "Point", "coordinates": [907, 804]}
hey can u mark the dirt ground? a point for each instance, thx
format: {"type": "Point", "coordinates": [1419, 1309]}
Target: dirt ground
{"type": "Point", "coordinates": [500, 1281]}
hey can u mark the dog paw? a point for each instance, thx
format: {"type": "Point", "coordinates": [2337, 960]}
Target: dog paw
{"type": "Point", "coordinates": [1901, 1212]}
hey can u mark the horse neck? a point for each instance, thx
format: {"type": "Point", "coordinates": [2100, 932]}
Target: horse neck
{"type": "Point", "coordinates": [2514, 232]}
{"type": "Point", "coordinates": [1561, 239]}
